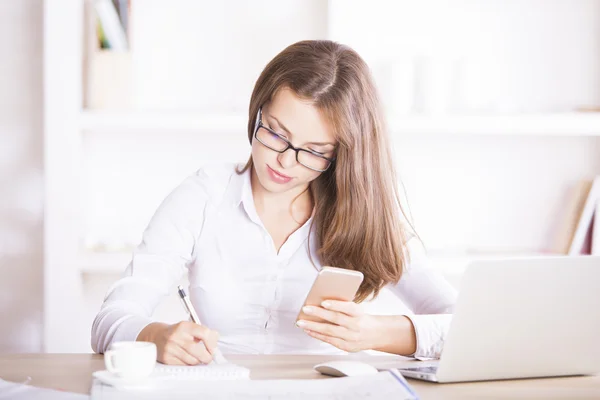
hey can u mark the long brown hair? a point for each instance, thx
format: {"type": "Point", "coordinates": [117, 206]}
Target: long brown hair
{"type": "Point", "coordinates": [359, 220]}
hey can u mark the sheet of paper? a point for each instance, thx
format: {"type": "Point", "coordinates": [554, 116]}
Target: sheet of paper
{"type": "Point", "coordinates": [384, 385]}
{"type": "Point", "coordinates": [19, 391]}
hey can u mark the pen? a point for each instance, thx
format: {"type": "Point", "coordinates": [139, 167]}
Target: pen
{"type": "Point", "coordinates": [188, 305]}
{"type": "Point", "coordinates": [218, 357]}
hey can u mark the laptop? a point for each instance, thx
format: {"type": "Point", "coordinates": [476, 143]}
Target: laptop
{"type": "Point", "coordinates": [522, 318]}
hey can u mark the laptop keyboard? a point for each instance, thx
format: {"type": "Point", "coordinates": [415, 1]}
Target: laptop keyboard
{"type": "Point", "coordinates": [428, 370]}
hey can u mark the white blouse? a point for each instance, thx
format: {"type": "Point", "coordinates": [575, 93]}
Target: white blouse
{"type": "Point", "coordinates": [239, 284]}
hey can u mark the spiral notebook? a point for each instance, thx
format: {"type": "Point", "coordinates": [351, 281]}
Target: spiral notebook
{"type": "Point", "coordinates": [213, 371]}
{"type": "Point", "coordinates": [165, 376]}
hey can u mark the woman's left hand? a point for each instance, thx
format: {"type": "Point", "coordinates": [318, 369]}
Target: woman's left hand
{"type": "Point", "coordinates": [348, 327]}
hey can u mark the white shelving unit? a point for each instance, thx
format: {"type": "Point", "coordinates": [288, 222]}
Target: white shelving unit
{"type": "Point", "coordinates": [109, 262]}
{"type": "Point", "coordinates": [65, 262]}
{"type": "Point", "coordinates": [449, 263]}
{"type": "Point", "coordinates": [559, 124]}
{"type": "Point", "coordinates": [102, 121]}
{"type": "Point", "coordinates": [63, 25]}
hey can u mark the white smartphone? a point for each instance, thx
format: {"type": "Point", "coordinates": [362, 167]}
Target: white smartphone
{"type": "Point", "coordinates": [331, 284]}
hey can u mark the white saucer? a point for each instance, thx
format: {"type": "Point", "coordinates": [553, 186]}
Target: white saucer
{"type": "Point", "coordinates": [118, 382]}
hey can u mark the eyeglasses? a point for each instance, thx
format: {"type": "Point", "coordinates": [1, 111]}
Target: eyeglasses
{"type": "Point", "coordinates": [274, 141]}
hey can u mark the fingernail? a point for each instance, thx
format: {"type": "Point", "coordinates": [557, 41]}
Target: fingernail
{"type": "Point", "coordinates": [326, 304]}
{"type": "Point", "coordinates": [301, 323]}
{"type": "Point", "coordinates": [307, 309]}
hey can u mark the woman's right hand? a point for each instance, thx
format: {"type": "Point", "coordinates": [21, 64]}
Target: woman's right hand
{"type": "Point", "coordinates": [183, 343]}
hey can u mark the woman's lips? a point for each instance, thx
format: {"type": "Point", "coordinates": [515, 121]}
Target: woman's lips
{"type": "Point", "coordinates": [278, 177]}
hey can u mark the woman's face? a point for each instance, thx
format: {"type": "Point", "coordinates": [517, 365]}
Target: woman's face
{"type": "Point", "coordinates": [303, 125]}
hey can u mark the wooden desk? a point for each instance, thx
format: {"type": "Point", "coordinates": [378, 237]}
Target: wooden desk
{"type": "Point", "coordinates": [73, 372]}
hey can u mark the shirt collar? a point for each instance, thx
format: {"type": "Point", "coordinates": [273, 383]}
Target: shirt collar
{"type": "Point", "coordinates": [245, 195]}
{"type": "Point", "coordinates": [239, 184]}
{"type": "Point", "coordinates": [241, 193]}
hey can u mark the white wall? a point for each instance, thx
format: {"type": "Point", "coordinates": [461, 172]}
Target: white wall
{"type": "Point", "coordinates": [21, 168]}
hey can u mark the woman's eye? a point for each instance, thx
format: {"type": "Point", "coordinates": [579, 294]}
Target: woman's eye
{"type": "Point", "coordinates": [276, 130]}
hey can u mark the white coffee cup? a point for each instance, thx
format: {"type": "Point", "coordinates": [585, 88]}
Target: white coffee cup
{"type": "Point", "coordinates": [131, 360]}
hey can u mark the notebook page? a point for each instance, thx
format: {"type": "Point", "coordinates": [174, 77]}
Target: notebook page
{"type": "Point", "coordinates": [383, 385]}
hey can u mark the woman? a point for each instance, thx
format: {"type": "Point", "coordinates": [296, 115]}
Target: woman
{"type": "Point", "coordinates": [318, 189]}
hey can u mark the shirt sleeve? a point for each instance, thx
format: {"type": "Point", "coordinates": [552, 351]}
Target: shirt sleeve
{"type": "Point", "coordinates": [157, 264]}
{"type": "Point", "coordinates": [430, 297]}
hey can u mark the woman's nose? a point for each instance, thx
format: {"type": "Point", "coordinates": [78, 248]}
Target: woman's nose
{"type": "Point", "coordinates": [287, 159]}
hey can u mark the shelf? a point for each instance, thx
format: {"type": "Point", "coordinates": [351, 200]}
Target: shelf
{"type": "Point", "coordinates": [161, 121]}
{"type": "Point", "coordinates": [104, 262]}
{"type": "Point", "coordinates": [557, 124]}
{"type": "Point", "coordinates": [449, 263]}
